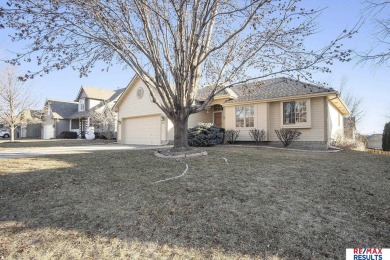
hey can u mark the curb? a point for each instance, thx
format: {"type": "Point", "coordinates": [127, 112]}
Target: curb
{"type": "Point", "coordinates": [204, 153]}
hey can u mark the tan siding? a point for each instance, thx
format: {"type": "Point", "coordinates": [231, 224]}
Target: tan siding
{"type": "Point", "coordinates": [133, 106]}
{"type": "Point", "coordinates": [274, 120]}
{"type": "Point", "coordinates": [317, 130]}
{"type": "Point", "coordinates": [335, 122]}
{"type": "Point", "coordinates": [261, 119]}
{"type": "Point", "coordinates": [201, 117]}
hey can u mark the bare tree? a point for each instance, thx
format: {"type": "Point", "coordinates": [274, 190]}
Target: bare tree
{"type": "Point", "coordinates": [354, 102]}
{"type": "Point", "coordinates": [378, 12]}
{"type": "Point", "coordinates": [174, 46]}
{"type": "Point", "coordinates": [15, 98]}
{"type": "Point", "coordinates": [103, 120]}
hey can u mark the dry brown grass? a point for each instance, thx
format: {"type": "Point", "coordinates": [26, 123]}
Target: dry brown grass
{"type": "Point", "coordinates": [263, 203]}
{"type": "Point", "coordinates": [36, 143]}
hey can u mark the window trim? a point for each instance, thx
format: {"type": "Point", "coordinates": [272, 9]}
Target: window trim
{"type": "Point", "coordinates": [235, 117]}
{"type": "Point", "coordinates": [82, 104]}
{"type": "Point", "coordinates": [306, 124]}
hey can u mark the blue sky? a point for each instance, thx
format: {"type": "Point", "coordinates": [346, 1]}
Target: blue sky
{"type": "Point", "coordinates": [365, 81]}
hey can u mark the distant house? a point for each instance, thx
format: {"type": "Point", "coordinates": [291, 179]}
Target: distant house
{"type": "Point", "coordinates": [56, 117]}
{"type": "Point", "coordinates": [30, 126]}
{"type": "Point", "coordinates": [374, 141]}
{"type": "Point", "coordinates": [91, 100]}
{"type": "Point", "coordinates": [76, 115]}
{"type": "Point", "coordinates": [270, 105]}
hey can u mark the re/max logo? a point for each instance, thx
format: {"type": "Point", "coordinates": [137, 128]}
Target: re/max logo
{"type": "Point", "coordinates": [368, 251]}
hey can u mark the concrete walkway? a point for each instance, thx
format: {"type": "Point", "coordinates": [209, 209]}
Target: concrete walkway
{"type": "Point", "coordinates": [40, 151]}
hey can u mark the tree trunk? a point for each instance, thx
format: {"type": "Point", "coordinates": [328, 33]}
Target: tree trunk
{"type": "Point", "coordinates": [180, 142]}
{"type": "Point", "coordinates": [12, 132]}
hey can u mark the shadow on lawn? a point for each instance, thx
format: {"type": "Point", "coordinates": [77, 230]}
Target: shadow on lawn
{"type": "Point", "coordinates": [261, 208]}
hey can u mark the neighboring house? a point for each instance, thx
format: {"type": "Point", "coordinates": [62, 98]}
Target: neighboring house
{"type": "Point", "coordinates": [56, 117]}
{"type": "Point", "coordinates": [31, 124]}
{"type": "Point", "coordinates": [374, 141]}
{"type": "Point", "coordinates": [270, 104]}
{"type": "Point", "coordinates": [91, 100]}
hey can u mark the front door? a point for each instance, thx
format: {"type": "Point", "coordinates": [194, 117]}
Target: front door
{"type": "Point", "coordinates": [218, 119]}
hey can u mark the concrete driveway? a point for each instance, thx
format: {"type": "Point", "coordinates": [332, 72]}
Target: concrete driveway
{"type": "Point", "coordinates": [40, 151]}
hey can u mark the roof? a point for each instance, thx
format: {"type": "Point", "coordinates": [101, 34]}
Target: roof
{"type": "Point", "coordinates": [375, 138]}
{"type": "Point", "coordinates": [268, 89]}
{"type": "Point", "coordinates": [95, 93]}
{"type": "Point", "coordinates": [80, 114]}
{"type": "Point", "coordinates": [62, 109]}
{"type": "Point", "coordinates": [116, 94]}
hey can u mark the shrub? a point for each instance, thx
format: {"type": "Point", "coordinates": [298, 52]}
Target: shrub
{"type": "Point", "coordinates": [257, 135]}
{"type": "Point", "coordinates": [357, 144]}
{"type": "Point", "coordinates": [99, 135]}
{"type": "Point", "coordinates": [386, 138]}
{"type": "Point", "coordinates": [287, 136]}
{"type": "Point", "coordinates": [205, 135]}
{"type": "Point", "coordinates": [68, 135]}
{"type": "Point", "coordinates": [232, 135]}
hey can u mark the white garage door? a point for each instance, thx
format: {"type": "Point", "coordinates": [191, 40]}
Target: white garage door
{"type": "Point", "coordinates": [48, 130]}
{"type": "Point", "coordinates": [142, 130]}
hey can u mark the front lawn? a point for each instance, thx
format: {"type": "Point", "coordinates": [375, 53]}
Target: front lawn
{"type": "Point", "coordinates": [37, 143]}
{"type": "Point", "coordinates": [261, 203]}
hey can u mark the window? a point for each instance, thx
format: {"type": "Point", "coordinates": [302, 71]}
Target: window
{"type": "Point", "coordinates": [82, 104]}
{"type": "Point", "coordinates": [75, 124]}
{"type": "Point", "coordinates": [296, 113]}
{"type": "Point", "coordinates": [245, 117]}
{"type": "Point", "coordinates": [218, 108]}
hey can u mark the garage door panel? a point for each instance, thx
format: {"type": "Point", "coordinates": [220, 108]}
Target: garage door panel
{"type": "Point", "coordinates": [142, 130]}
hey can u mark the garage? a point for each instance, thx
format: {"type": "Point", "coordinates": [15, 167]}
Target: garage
{"type": "Point", "coordinates": [142, 130]}
{"type": "Point", "coordinates": [48, 129]}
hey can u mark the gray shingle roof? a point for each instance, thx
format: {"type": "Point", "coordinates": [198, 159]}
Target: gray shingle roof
{"type": "Point", "coordinates": [375, 138]}
{"type": "Point", "coordinates": [80, 114]}
{"type": "Point", "coordinates": [269, 89]}
{"type": "Point", "coordinates": [62, 109]}
{"type": "Point", "coordinates": [205, 91]}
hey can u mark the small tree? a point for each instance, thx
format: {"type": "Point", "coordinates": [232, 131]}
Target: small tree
{"type": "Point", "coordinates": [386, 138]}
{"type": "Point", "coordinates": [257, 135]}
{"type": "Point", "coordinates": [104, 121]}
{"type": "Point", "coordinates": [287, 136]}
{"type": "Point", "coordinates": [15, 99]}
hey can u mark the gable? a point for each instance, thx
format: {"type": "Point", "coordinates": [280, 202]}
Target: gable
{"type": "Point", "coordinates": [133, 104]}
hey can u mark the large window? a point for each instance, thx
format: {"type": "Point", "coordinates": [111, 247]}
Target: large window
{"type": "Point", "coordinates": [245, 116]}
{"type": "Point", "coordinates": [296, 112]}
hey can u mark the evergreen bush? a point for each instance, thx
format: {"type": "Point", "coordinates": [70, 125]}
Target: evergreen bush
{"type": "Point", "coordinates": [205, 135]}
{"type": "Point", "coordinates": [386, 138]}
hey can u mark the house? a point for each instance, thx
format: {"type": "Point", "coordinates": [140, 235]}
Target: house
{"type": "Point", "coordinates": [76, 115]}
{"type": "Point", "coordinates": [91, 100]}
{"type": "Point", "coordinates": [270, 105]}
{"type": "Point", "coordinates": [56, 117]}
{"type": "Point", "coordinates": [30, 124]}
{"type": "Point", "coordinates": [374, 141]}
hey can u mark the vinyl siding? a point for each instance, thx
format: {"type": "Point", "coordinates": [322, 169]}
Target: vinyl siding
{"type": "Point", "coordinates": [132, 106]}
{"type": "Point", "coordinates": [193, 120]}
{"type": "Point", "coordinates": [335, 122]}
{"type": "Point", "coordinates": [317, 130]}
{"type": "Point", "coordinates": [261, 118]}
{"type": "Point", "coordinates": [268, 117]}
